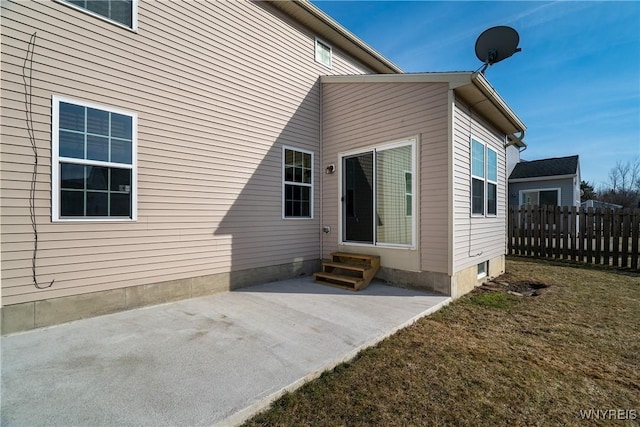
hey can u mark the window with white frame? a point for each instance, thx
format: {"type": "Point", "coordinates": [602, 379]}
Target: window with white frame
{"type": "Point", "coordinates": [492, 182]}
{"type": "Point", "coordinates": [122, 12]}
{"type": "Point", "coordinates": [323, 53]}
{"type": "Point", "coordinates": [297, 186]}
{"type": "Point", "coordinates": [484, 179]}
{"type": "Point", "coordinates": [379, 195]}
{"type": "Point", "coordinates": [93, 161]}
{"type": "Point", "coordinates": [477, 177]}
{"type": "Point", "coordinates": [483, 267]}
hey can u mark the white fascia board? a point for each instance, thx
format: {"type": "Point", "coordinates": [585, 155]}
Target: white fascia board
{"type": "Point", "coordinates": [541, 178]}
{"type": "Point", "coordinates": [454, 79]}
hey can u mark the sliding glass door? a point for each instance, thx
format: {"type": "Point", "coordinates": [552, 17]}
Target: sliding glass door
{"type": "Point", "coordinates": [378, 201]}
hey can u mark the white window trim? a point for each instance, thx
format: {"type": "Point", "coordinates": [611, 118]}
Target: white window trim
{"type": "Point", "coordinates": [284, 182]}
{"type": "Point", "coordinates": [315, 53]}
{"type": "Point", "coordinates": [533, 190]}
{"type": "Point", "coordinates": [483, 274]}
{"type": "Point", "coordinates": [55, 161]}
{"type": "Point", "coordinates": [481, 178]}
{"type": "Point", "coordinates": [485, 180]}
{"type": "Point", "coordinates": [134, 15]}
{"type": "Point", "coordinates": [488, 181]}
{"type": "Point", "coordinates": [413, 142]}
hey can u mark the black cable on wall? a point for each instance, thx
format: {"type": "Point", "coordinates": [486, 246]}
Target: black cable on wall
{"type": "Point", "coordinates": [27, 78]}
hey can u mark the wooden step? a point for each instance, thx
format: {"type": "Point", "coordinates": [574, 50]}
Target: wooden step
{"type": "Point", "coordinates": [355, 266]}
{"type": "Point", "coordinates": [350, 255]}
{"type": "Point", "coordinates": [349, 270]}
{"type": "Point", "coordinates": [345, 282]}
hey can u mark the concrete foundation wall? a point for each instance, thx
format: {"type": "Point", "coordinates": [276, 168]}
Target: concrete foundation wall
{"type": "Point", "coordinates": [461, 283]}
{"type": "Point", "coordinates": [423, 280]}
{"type": "Point", "coordinates": [37, 314]}
{"type": "Point", "coordinates": [465, 280]}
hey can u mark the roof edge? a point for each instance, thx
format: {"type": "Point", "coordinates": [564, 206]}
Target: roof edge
{"type": "Point", "coordinates": [542, 178]}
{"type": "Point", "coordinates": [483, 84]}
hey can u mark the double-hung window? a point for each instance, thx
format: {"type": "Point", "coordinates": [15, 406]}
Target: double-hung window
{"type": "Point", "coordinates": [477, 177]}
{"type": "Point", "coordinates": [93, 162]}
{"type": "Point", "coordinates": [484, 179]}
{"type": "Point", "coordinates": [120, 12]}
{"type": "Point", "coordinates": [323, 53]}
{"type": "Point", "coordinates": [297, 185]}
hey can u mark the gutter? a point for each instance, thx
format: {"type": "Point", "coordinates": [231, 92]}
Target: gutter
{"type": "Point", "coordinates": [485, 87]}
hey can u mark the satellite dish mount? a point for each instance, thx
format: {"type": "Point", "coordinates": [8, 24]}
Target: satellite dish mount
{"type": "Point", "coordinates": [496, 44]}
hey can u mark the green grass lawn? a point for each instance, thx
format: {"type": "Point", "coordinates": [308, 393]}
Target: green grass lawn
{"type": "Point", "coordinates": [492, 358]}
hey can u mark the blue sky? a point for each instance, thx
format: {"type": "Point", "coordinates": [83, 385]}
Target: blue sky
{"type": "Point", "coordinates": [576, 83]}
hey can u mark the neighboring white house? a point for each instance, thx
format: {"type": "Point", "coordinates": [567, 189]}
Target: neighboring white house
{"type": "Point", "coordinates": [187, 148]}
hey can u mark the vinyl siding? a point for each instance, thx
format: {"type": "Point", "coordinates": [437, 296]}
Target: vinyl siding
{"type": "Point", "coordinates": [513, 158]}
{"type": "Point", "coordinates": [475, 239]}
{"type": "Point", "coordinates": [568, 194]}
{"type": "Point", "coordinates": [218, 87]}
{"type": "Point", "coordinates": [363, 115]}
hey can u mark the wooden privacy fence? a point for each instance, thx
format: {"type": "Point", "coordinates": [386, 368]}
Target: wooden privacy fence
{"type": "Point", "coordinates": [594, 236]}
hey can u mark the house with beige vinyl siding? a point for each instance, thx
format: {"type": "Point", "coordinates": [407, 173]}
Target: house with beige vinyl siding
{"type": "Point", "coordinates": [186, 148]}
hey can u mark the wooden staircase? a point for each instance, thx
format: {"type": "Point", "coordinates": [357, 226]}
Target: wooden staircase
{"type": "Point", "coordinates": [348, 271]}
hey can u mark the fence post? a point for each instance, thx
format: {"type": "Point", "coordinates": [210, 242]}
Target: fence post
{"type": "Point", "coordinates": [539, 231]}
{"type": "Point", "coordinates": [565, 232]}
{"type": "Point", "coordinates": [513, 242]}
{"type": "Point", "coordinates": [529, 230]}
{"type": "Point", "coordinates": [589, 234]}
{"type": "Point", "coordinates": [551, 225]}
{"type": "Point", "coordinates": [615, 232]}
{"type": "Point", "coordinates": [625, 236]}
{"type": "Point", "coordinates": [574, 233]}
{"type": "Point", "coordinates": [520, 219]}
{"type": "Point", "coordinates": [635, 237]}
{"type": "Point", "coordinates": [557, 230]}
{"type": "Point", "coordinates": [607, 235]}
{"type": "Point", "coordinates": [598, 235]}
{"type": "Point", "coordinates": [582, 219]}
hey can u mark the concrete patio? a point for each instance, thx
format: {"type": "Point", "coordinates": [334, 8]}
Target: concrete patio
{"type": "Point", "coordinates": [213, 360]}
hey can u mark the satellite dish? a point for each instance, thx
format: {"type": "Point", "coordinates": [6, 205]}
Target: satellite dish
{"type": "Point", "coordinates": [496, 44]}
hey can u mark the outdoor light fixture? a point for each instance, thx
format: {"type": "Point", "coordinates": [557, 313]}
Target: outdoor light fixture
{"type": "Point", "coordinates": [330, 169]}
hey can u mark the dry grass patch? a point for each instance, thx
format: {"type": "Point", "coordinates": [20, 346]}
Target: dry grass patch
{"type": "Point", "coordinates": [493, 358]}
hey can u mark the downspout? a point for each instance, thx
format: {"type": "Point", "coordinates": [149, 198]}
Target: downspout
{"type": "Point", "coordinates": [321, 171]}
{"type": "Point", "coordinates": [450, 200]}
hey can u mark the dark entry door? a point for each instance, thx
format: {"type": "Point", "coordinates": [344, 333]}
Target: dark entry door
{"type": "Point", "coordinates": [357, 198]}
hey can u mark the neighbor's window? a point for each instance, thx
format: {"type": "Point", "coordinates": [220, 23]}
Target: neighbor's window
{"type": "Point", "coordinates": [122, 12]}
{"type": "Point", "coordinates": [93, 162]}
{"type": "Point", "coordinates": [484, 179]}
{"type": "Point", "coordinates": [540, 197]}
{"type": "Point", "coordinates": [298, 183]}
{"type": "Point", "coordinates": [323, 53]}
